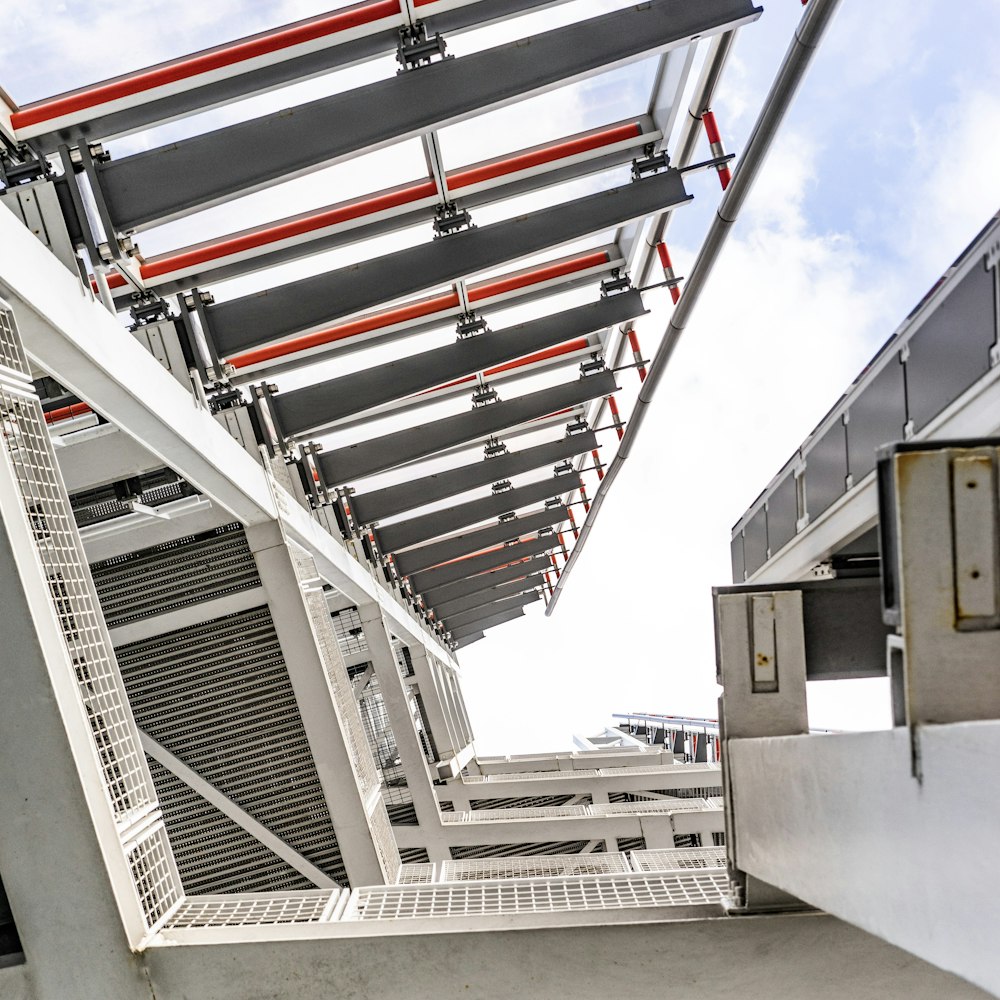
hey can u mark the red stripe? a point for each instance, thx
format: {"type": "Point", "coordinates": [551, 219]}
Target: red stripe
{"type": "Point", "coordinates": [500, 285]}
{"type": "Point", "coordinates": [115, 280]}
{"type": "Point", "coordinates": [205, 62]}
{"type": "Point", "coordinates": [365, 324]}
{"type": "Point", "coordinates": [530, 359]}
{"type": "Point", "coordinates": [66, 412]}
{"type": "Point", "coordinates": [711, 127]}
{"type": "Point", "coordinates": [188, 259]}
{"type": "Point", "coordinates": [559, 151]}
{"type": "Point", "coordinates": [426, 307]}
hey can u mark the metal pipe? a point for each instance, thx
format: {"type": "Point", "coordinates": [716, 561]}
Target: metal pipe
{"type": "Point", "coordinates": [804, 43]}
{"type": "Point", "coordinates": [687, 141]}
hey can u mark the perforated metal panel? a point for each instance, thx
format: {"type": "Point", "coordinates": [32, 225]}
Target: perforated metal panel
{"type": "Point", "coordinates": [218, 697]}
{"type": "Point", "coordinates": [521, 850]}
{"type": "Point", "coordinates": [556, 895]}
{"type": "Point", "coordinates": [683, 859]}
{"type": "Point", "coordinates": [259, 910]}
{"type": "Point", "coordinates": [174, 575]}
{"type": "Point", "coordinates": [213, 853]}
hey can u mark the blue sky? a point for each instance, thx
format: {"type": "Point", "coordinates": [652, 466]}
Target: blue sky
{"type": "Point", "coordinates": [885, 168]}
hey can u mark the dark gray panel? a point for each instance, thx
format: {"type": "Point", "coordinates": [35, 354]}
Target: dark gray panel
{"type": "Point", "coordinates": [485, 581]}
{"type": "Point", "coordinates": [158, 184]}
{"type": "Point", "coordinates": [252, 81]}
{"type": "Point", "coordinates": [755, 541]}
{"type": "Point", "coordinates": [342, 465]}
{"type": "Point", "coordinates": [842, 623]}
{"type": "Point", "coordinates": [421, 529]}
{"type": "Point", "coordinates": [477, 600]}
{"type": "Point", "coordinates": [487, 623]}
{"type": "Point", "coordinates": [288, 309]}
{"type": "Point", "coordinates": [826, 470]}
{"type": "Point", "coordinates": [468, 640]}
{"type": "Point", "coordinates": [876, 417]}
{"type": "Point", "coordinates": [782, 513]}
{"type": "Point", "coordinates": [392, 500]}
{"type": "Point", "coordinates": [342, 397]}
{"type": "Point", "coordinates": [951, 350]}
{"type": "Point", "coordinates": [426, 556]}
{"type": "Point", "coordinates": [488, 610]}
{"type": "Point", "coordinates": [736, 553]}
{"type": "Point", "coordinates": [431, 579]}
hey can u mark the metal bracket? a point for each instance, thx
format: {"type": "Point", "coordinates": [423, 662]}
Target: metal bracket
{"type": "Point", "coordinates": [469, 325]}
{"type": "Point", "coordinates": [650, 162]}
{"type": "Point", "coordinates": [450, 219]}
{"type": "Point", "coordinates": [618, 282]}
{"type": "Point", "coordinates": [485, 395]}
{"type": "Point", "coordinates": [416, 49]}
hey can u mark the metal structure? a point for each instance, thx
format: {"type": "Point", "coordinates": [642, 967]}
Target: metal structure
{"type": "Point", "coordinates": [245, 534]}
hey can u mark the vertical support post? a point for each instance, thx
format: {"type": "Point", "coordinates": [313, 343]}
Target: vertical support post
{"type": "Point", "coordinates": [411, 753]}
{"type": "Point", "coordinates": [322, 717]}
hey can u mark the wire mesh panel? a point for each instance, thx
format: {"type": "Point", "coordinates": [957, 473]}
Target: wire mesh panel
{"type": "Point", "coordinates": [349, 631]}
{"type": "Point", "coordinates": [30, 460]}
{"type": "Point", "coordinates": [529, 896]}
{"type": "Point", "coordinates": [417, 873]}
{"type": "Point", "coordinates": [365, 771]}
{"type": "Point", "coordinates": [678, 859]}
{"type": "Point", "coordinates": [259, 909]}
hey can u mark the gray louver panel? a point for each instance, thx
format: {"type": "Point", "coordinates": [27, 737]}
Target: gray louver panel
{"type": "Point", "coordinates": [526, 802]}
{"type": "Point", "coordinates": [213, 853]}
{"type": "Point", "coordinates": [522, 850]}
{"type": "Point", "coordinates": [187, 571]}
{"type": "Point", "coordinates": [413, 855]}
{"type": "Point", "coordinates": [217, 696]}
{"type": "Point", "coordinates": [631, 843]}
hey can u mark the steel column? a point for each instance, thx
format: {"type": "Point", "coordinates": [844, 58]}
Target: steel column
{"type": "Point", "coordinates": [349, 394]}
{"type": "Point", "coordinates": [160, 184]}
{"type": "Point", "coordinates": [436, 553]}
{"type": "Point", "coordinates": [421, 529]}
{"type": "Point", "coordinates": [397, 499]}
{"type": "Point", "coordinates": [342, 465]}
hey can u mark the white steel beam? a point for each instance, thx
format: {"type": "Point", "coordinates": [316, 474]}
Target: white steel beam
{"type": "Point", "coordinates": [76, 340]}
{"type": "Point", "coordinates": [856, 833]}
{"type": "Point", "coordinates": [239, 816]}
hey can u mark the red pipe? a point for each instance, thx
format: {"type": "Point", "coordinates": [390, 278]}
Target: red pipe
{"type": "Point", "coordinates": [555, 565]}
{"type": "Point", "coordinates": [552, 352]}
{"type": "Point", "coordinates": [557, 151]}
{"type": "Point", "coordinates": [67, 412]}
{"type": "Point", "coordinates": [597, 464]}
{"type": "Point", "coordinates": [365, 324]}
{"type": "Point", "coordinates": [715, 145]}
{"type": "Point", "coordinates": [498, 286]}
{"type": "Point", "coordinates": [616, 417]}
{"type": "Point", "coordinates": [572, 524]}
{"type": "Point", "coordinates": [668, 269]}
{"type": "Point", "coordinates": [636, 353]}
{"type": "Point", "coordinates": [205, 62]}
{"type": "Point", "coordinates": [562, 545]}
{"type": "Point", "coordinates": [583, 497]}
{"type": "Point", "coordinates": [187, 260]}
{"type": "Point", "coordinates": [414, 310]}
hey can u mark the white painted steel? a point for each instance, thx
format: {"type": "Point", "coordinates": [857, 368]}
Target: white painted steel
{"type": "Point", "coordinates": [876, 846]}
{"type": "Point", "coordinates": [549, 895]}
{"type": "Point", "coordinates": [678, 859]}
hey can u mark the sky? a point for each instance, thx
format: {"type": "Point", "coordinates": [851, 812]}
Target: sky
{"type": "Point", "coordinates": [884, 170]}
